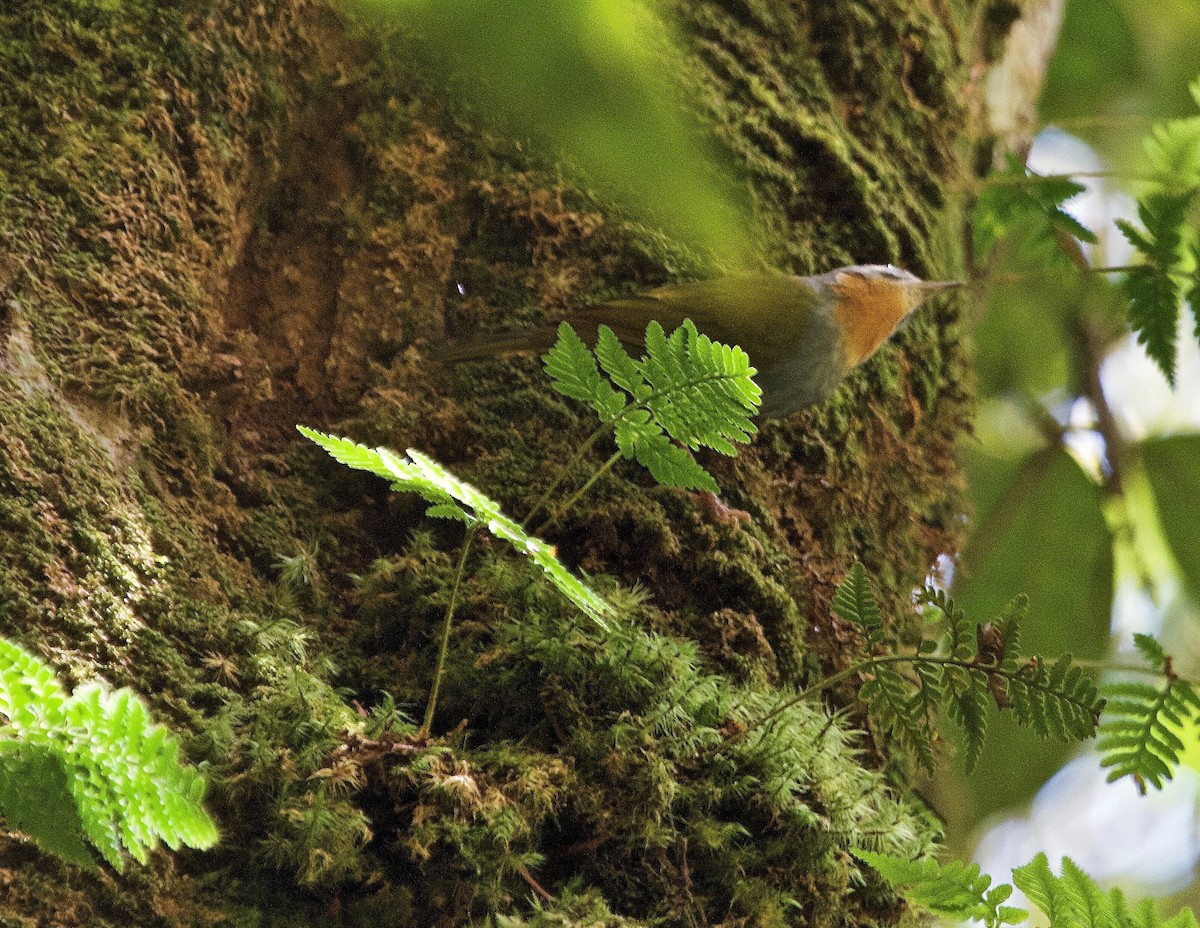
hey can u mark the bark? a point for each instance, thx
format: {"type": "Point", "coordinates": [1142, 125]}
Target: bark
{"type": "Point", "coordinates": [221, 218]}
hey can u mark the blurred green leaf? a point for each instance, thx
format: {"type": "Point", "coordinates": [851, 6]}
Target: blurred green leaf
{"type": "Point", "coordinates": [1097, 61]}
{"type": "Point", "coordinates": [1046, 536]}
{"type": "Point", "coordinates": [1018, 200]}
{"type": "Point", "coordinates": [1020, 343]}
{"type": "Point", "coordinates": [592, 79]}
{"type": "Point", "coordinates": [1172, 467]}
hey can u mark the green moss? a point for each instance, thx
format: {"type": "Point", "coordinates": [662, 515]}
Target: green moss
{"type": "Point", "coordinates": [222, 218]}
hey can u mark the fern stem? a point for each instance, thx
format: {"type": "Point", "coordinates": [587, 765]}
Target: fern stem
{"type": "Point", "coordinates": [860, 667]}
{"type": "Point", "coordinates": [444, 645]}
{"type": "Point", "coordinates": [563, 471]}
{"type": "Point", "coordinates": [574, 498]}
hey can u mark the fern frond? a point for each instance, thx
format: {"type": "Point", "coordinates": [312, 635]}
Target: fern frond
{"type": "Point", "coordinates": [1173, 151]}
{"type": "Point", "coordinates": [1137, 737]}
{"type": "Point", "coordinates": [573, 372]}
{"type": "Point", "coordinates": [953, 890]}
{"type": "Point", "coordinates": [901, 711]}
{"type": "Point", "coordinates": [854, 600]}
{"type": "Point", "coordinates": [687, 391]}
{"type": "Point", "coordinates": [457, 499]}
{"type": "Point", "coordinates": [92, 765]}
{"type": "Point", "coordinates": [1074, 899]}
{"type": "Point", "coordinates": [1056, 699]}
{"type": "Point", "coordinates": [1018, 200]}
{"type": "Point", "coordinates": [1151, 287]}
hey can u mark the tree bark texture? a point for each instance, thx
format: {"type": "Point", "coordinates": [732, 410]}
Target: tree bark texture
{"type": "Point", "coordinates": [220, 218]}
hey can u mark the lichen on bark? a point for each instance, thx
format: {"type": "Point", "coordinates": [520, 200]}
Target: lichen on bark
{"type": "Point", "coordinates": [221, 219]}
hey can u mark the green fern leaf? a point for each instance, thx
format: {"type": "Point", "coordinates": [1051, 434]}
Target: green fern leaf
{"type": "Point", "coordinates": [92, 764]}
{"type": "Point", "coordinates": [35, 798]}
{"type": "Point", "coordinates": [1173, 151]}
{"type": "Point", "coordinates": [953, 890]}
{"type": "Point", "coordinates": [968, 707]}
{"type": "Point", "coordinates": [669, 464]}
{"type": "Point", "coordinates": [617, 363]}
{"type": "Point", "coordinates": [1137, 739]}
{"type": "Point", "coordinates": [1151, 287]}
{"type": "Point", "coordinates": [854, 600]}
{"type": "Point", "coordinates": [687, 390]}
{"type": "Point", "coordinates": [1192, 294]}
{"type": "Point", "coordinates": [1017, 201]}
{"type": "Point", "coordinates": [1073, 899]}
{"type": "Point", "coordinates": [457, 499]}
{"type": "Point", "coordinates": [1056, 700]}
{"type": "Point", "coordinates": [703, 392]}
{"type": "Point", "coordinates": [574, 373]}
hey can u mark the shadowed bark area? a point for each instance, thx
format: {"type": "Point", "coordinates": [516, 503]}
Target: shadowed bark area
{"type": "Point", "coordinates": [219, 219]}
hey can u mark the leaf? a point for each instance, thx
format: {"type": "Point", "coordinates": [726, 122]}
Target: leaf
{"type": "Point", "coordinates": [573, 372]}
{"type": "Point", "coordinates": [1172, 468]}
{"type": "Point", "coordinates": [953, 890]}
{"type": "Point", "coordinates": [1046, 526]}
{"type": "Point", "coordinates": [35, 798]}
{"type": "Point", "coordinates": [457, 499]}
{"type": "Point", "coordinates": [92, 764]}
{"type": "Point", "coordinates": [1016, 200]}
{"type": "Point", "coordinates": [854, 600]}
{"type": "Point", "coordinates": [1138, 736]}
{"type": "Point", "coordinates": [688, 390]}
{"type": "Point", "coordinates": [1151, 287]}
{"type": "Point", "coordinates": [1073, 900]}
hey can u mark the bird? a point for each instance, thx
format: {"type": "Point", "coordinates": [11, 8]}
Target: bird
{"type": "Point", "coordinates": [804, 334]}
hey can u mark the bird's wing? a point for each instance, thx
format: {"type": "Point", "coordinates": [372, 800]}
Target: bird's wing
{"type": "Point", "coordinates": [765, 315]}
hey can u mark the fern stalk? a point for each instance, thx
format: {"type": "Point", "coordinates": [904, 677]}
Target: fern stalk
{"type": "Point", "coordinates": [577, 495]}
{"type": "Point", "coordinates": [563, 471]}
{"type": "Point", "coordinates": [873, 662]}
{"type": "Point", "coordinates": [444, 645]}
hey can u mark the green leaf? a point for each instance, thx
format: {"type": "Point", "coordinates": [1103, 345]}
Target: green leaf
{"type": "Point", "coordinates": [573, 372]}
{"type": "Point", "coordinates": [457, 499]}
{"type": "Point", "coordinates": [96, 764]}
{"type": "Point", "coordinates": [688, 390]}
{"type": "Point", "coordinates": [1073, 900]}
{"type": "Point", "coordinates": [1137, 737]}
{"type": "Point", "coordinates": [1172, 468]}
{"type": "Point", "coordinates": [953, 890]}
{"type": "Point", "coordinates": [1173, 151]}
{"type": "Point", "coordinates": [1151, 287]}
{"type": "Point", "coordinates": [1016, 200]}
{"type": "Point", "coordinates": [35, 798]}
{"type": "Point", "coordinates": [854, 600]}
{"type": "Point", "coordinates": [1046, 526]}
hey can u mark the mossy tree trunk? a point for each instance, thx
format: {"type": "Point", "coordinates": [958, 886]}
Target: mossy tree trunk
{"type": "Point", "coordinates": [221, 218]}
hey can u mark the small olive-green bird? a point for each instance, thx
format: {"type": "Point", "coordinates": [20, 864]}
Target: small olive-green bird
{"type": "Point", "coordinates": [803, 334]}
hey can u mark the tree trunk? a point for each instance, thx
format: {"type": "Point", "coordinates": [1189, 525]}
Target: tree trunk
{"type": "Point", "coordinates": [223, 218]}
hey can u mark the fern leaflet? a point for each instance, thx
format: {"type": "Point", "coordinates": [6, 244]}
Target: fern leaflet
{"type": "Point", "coordinates": [687, 391]}
{"type": "Point", "coordinates": [1019, 200]}
{"type": "Point", "coordinates": [1072, 900]}
{"type": "Point", "coordinates": [456, 499]}
{"type": "Point", "coordinates": [1151, 287]}
{"type": "Point", "coordinates": [92, 766]}
{"type": "Point", "coordinates": [969, 667]}
{"type": "Point", "coordinates": [953, 890]}
{"type": "Point", "coordinates": [1137, 738]}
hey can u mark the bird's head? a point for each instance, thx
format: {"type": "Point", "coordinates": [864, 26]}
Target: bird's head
{"type": "Point", "coordinates": [871, 301]}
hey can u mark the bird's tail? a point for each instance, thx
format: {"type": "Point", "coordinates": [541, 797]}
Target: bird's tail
{"type": "Point", "coordinates": [496, 343]}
